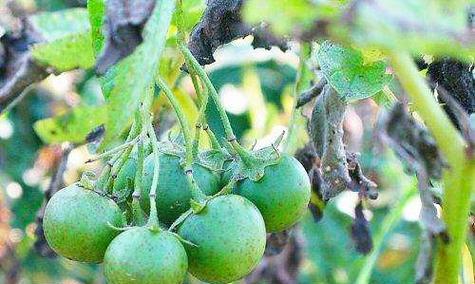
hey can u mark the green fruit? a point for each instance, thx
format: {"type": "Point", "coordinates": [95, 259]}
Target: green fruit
{"type": "Point", "coordinates": [126, 175]}
{"type": "Point", "coordinates": [173, 191]}
{"type": "Point", "coordinates": [142, 256]}
{"type": "Point", "coordinates": [281, 196]}
{"type": "Point", "coordinates": [230, 236]}
{"type": "Point", "coordinates": [76, 223]}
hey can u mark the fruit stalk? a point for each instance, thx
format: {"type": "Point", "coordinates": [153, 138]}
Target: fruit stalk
{"type": "Point", "coordinates": [138, 216]}
{"type": "Point", "coordinates": [458, 180]}
{"type": "Point", "coordinates": [197, 194]}
{"type": "Point", "coordinates": [153, 216]}
{"type": "Point", "coordinates": [242, 152]}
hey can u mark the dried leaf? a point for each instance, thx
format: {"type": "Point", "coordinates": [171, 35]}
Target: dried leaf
{"type": "Point", "coordinates": [18, 69]}
{"type": "Point", "coordinates": [221, 23]}
{"type": "Point", "coordinates": [417, 148]}
{"type": "Point", "coordinates": [360, 231]}
{"type": "Point", "coordinates": [456, 78]}
{"type": "Point", "coordinates": [125, 21]}
{"type": "Point", "coordinates": [424, 263]}
{"type": "Point", "coordinates": [326, 129]}
{"type": "Point", "coordinates": [340, 170]}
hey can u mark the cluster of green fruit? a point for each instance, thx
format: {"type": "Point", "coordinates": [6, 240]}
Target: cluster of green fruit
{"type": "Point", "coordinates": [218, 240]}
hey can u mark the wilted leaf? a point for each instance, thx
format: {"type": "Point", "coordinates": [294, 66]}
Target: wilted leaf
{"type": "Point", "coordinates": [346, 71]}
{"type": "Point", "coordinates": [74, 126]}
{"type": "Point", "coordinates": [456, 78]}
{"type": "Point", "coordinates": [360, 231]}
{"type": "Point", "coordinates": [125, 22]}
{"type": "Point", "coordinates": [220, 24]}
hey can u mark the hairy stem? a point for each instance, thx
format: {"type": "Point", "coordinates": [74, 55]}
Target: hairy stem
{"type": "Point", "coordinates": [196, 192]}
{"type": "Point", "coordinates": [153, 216]}
{"type": "Point", "coordinates": [458, 180]}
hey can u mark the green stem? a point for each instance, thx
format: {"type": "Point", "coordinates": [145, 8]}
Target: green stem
{"type": "Point", "coordinates": [200, 124]}
{"type": "Point", "coordinates": [456, 207]}
{"type": "Point", "coordinates": [185, 128]}
{"type": "Point", "coordinates": [117, 150]}
{"type": "Point", "coordinates": [459, 180]}
{"type": "Point", "coordinates": [212, 138]}
{"type": "Point", "coordinates": [196, 192]}
{"type": "Point", "coordinates": [153, 217]}
{"type": "Point", "coordinates": [245, 155]}
{"type": "Point", "coordinates": [137, 213]}
{"type": "Point", "coordinates": [387, 225]}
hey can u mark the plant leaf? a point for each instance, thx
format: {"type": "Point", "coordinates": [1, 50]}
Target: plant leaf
{"type": "Point", "coordinates": [424, 26]}
{"type": "Point", "coordinates": [135, 75]}
{"type": "Point", "coordinates": [346, 71]}
{"type": "Point", "coordinates": [67, 53]}
{"type": "Point", "coordinates": [96, 9]}
{"type": "Point", "coordinates": [67, 40]}
{"type": "Point", "coordinates": [73, 126]}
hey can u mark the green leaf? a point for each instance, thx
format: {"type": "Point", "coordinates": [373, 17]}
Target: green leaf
{"type": "Point", "coordinates": [73, 126]}
{"type": "Point", "coordinates": [290, 17]}
{"type": "Point", "coordinates": [67, 53]}
{"type": "Point", "coordinates": [424, 26]}
{"type": "Point", "coordinates": [57, 25]}
{"type": "Point", "coordinates": [284, 16]}
{"type": "Point", "coordinates": [67, 37]}
{"type": "Point", "coordinates": [96, 9]}
{"type": "Point", "coordinates": [132, 79]}
{"type": "Point", "coordinates": [346, 71]}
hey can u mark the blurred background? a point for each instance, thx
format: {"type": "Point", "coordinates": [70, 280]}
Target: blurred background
{"type": "Point", "coordinates": [256, 89]}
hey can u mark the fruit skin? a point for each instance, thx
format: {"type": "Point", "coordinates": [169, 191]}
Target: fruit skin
{"type": "Point", "coordinates": [76, 223]}
{"type": "Point", "coordinates": [173, 191]}
{"type": "Point", "coordinates": [282, 195]}
{"type": "Point", "coordinates": [142, 256]}
{"type": "Point", "coordinates": [230, 236]}
{"type": "Point", "coordinates": [126, 173]}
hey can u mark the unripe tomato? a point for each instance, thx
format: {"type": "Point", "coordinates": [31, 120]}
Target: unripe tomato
{"type": "Point", "coordinates": [173, 190]}
{"type": "Point", "coordinates": [76, 223]}
{"type": "Point", "coordinates": [230, 236]}
{"type": "Point", "coordinates": [142, 256]}
{"type": "Point", "coordinates": [281, 196]}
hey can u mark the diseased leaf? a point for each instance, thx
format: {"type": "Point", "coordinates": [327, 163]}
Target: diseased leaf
{"type": "Point", "coordinates": [125, 22]}
{"type": "Point", "coordinates": [67, 39]}
{"type": "Point", "coordinates": [346, 71]}
{"type": "Point", "coordinates": [415, 146]}
{"type": "Point", "coordinates": [457, 79]}
{"type": "Point", "coordinates": [340, 169]}
{"type": "Point", "coordinates": [74, 126]}
{"type": "Point", "coordinates": [127, 84]}
{"type": "Point", "coordinates": [220, 24]}
{"type": "Point", "coordinates": [360, 231]}
{"type": "Point", "coordinates": [19, 70]}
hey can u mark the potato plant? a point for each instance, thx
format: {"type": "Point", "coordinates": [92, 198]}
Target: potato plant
{"type": "Point", "coordinates": [195, 199]}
